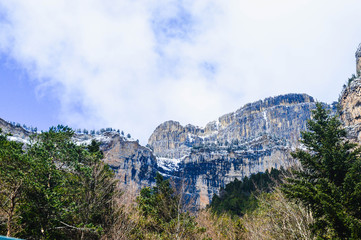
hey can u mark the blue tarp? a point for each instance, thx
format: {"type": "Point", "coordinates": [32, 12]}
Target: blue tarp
{"type": "Point", "coordinates": [8, 238]}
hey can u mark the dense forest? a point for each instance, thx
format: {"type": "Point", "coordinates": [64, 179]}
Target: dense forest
{"type": "Point", "coordinates": [239, 197]}
{"type": "Point", "coordinates": [52, 188]}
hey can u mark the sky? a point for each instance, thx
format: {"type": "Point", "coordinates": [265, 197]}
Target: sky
{"type": "Point", "coordinates": [133, 64]}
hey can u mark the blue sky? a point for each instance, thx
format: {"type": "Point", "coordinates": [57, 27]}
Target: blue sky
{"type": "Point", "coordinates": [21, 102]}
{"type": "Point", "coordinates": [135, 64]}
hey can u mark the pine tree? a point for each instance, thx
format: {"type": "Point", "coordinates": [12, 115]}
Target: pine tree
{"type": "Point", "coordinates": [71, 192]}
{"type": "Point", "coordinates": [161, 214]}
{"type": "Point", "coordinates": [329, 182]}
{"type": "Point", "coordinates": [160, 201]}
{"type": "Point", "coordinates": [14, 177]}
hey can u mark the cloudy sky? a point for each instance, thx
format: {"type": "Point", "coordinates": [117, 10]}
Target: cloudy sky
{"type": "Point", "coordinates": [132, 64]}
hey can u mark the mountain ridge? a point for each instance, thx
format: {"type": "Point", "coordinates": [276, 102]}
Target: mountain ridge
{"type": "Point", "coordinates": [256, 137]}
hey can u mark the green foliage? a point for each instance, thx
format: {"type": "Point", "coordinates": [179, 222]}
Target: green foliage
{"type": "Point", "coordinates": [239, 197]}
{"type": "Point", "coordinates": [329, 183]}
{"type": "Point", "coordinates": [66, 190]}
{"type": "Point", "coordinates": [161, 216]}
{"type": "Point", "coordinates": [159, 202]}
{"type": "Point", "coordinates": [14, 178]}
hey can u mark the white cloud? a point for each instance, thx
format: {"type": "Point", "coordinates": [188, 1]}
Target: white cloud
{"type": "Point", "coordinates": [134, 64]}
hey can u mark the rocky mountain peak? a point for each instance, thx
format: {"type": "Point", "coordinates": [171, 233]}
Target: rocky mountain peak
{"type": "Point", "coordinates": [256, 137]}
{"type": "Point", "coordinates": [249, 121]}
{"type": "Point", "coordinates": [287, 99]}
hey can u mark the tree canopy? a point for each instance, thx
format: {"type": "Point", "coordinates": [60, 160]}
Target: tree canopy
{"type": "Point", "coordinates": [329, 181]}
{"type": "Point", "coordinates": [239, 196]}
{"type": "Point", "coordinates": [53, 188]}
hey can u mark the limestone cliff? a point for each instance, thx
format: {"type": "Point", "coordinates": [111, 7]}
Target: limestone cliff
{"type": "Point", "coordinates": [252, 139]}
{"type": "Point", "coordinates": [350, 108]}
{"type": "Point", "coordinates": [134, 165]}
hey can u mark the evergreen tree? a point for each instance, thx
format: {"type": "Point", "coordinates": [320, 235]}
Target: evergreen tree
{"type": "Point", "coordinates": [161, 214]}
{"type": "Point", "coordinates": [70, 192]}
{"type": "Point", "coordinates": [240, 197]}
{"type": "Point", "coordinates": [159, 202]}
{"type": "Point", "coordinates": [14, 178]}
{"type": "Point", "coordinates": [329, 182]}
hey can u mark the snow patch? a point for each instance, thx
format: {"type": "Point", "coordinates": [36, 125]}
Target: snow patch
{"type": "Point", "coordinates": [218, 124]}
{"type": "Point", "coordinates": [98, 138]}
{"type": "Point", "coordinates": [190, 138]}
{"type": "Point", "coordinates": [18, 139]}
{"type": "Point", "coordinates": [169, 164]}
{"type": "Point", "coordinates": [265, 118]}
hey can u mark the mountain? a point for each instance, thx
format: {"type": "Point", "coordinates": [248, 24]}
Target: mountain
{"type": "Point", "coordinates": [256, 137]}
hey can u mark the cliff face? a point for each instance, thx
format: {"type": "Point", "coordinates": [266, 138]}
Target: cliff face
{"type": "Point", "coordinates": [255, 138]}
{"type": "Point", "coordinates": [350, 109]}
{"type": "Point", "coordinates": [134, 165]}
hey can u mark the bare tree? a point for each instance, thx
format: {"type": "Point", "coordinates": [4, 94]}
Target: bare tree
{"type": "Point", "coordinates": [278, 218]}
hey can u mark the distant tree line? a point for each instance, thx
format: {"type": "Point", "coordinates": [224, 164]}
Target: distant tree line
{"type": "Point", "coordinates": [78, 131]}
{"type": "Point", "coordinates": [101, 131]}
{"type": "Point", "coordinates": [24, 126]}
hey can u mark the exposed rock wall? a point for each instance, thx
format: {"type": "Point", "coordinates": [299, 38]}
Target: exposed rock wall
{"type": "Point", "coordinates": [133, 164]}
{"type": "Point", "coordinates": [206, 170]}
{"type": "Point", "coordinates": [350, 109]}
{"type": "Point", "coordinates": [255, 138]}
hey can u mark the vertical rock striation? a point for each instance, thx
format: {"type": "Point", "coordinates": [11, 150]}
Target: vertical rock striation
{"type": "Point", "coordinates": [134, 165]}
{"type": "Point", "coordinates": [350, 109]}
{"type": "Point", "coordinates": [256, 137]}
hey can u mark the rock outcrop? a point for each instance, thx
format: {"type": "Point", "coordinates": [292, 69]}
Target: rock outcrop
{"type": "Point", "coordinates": [257, 137]}
{"type": "Point", "coordinates": [350, 109]}
{"type": "Point", "coordinates": [134, 165]}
